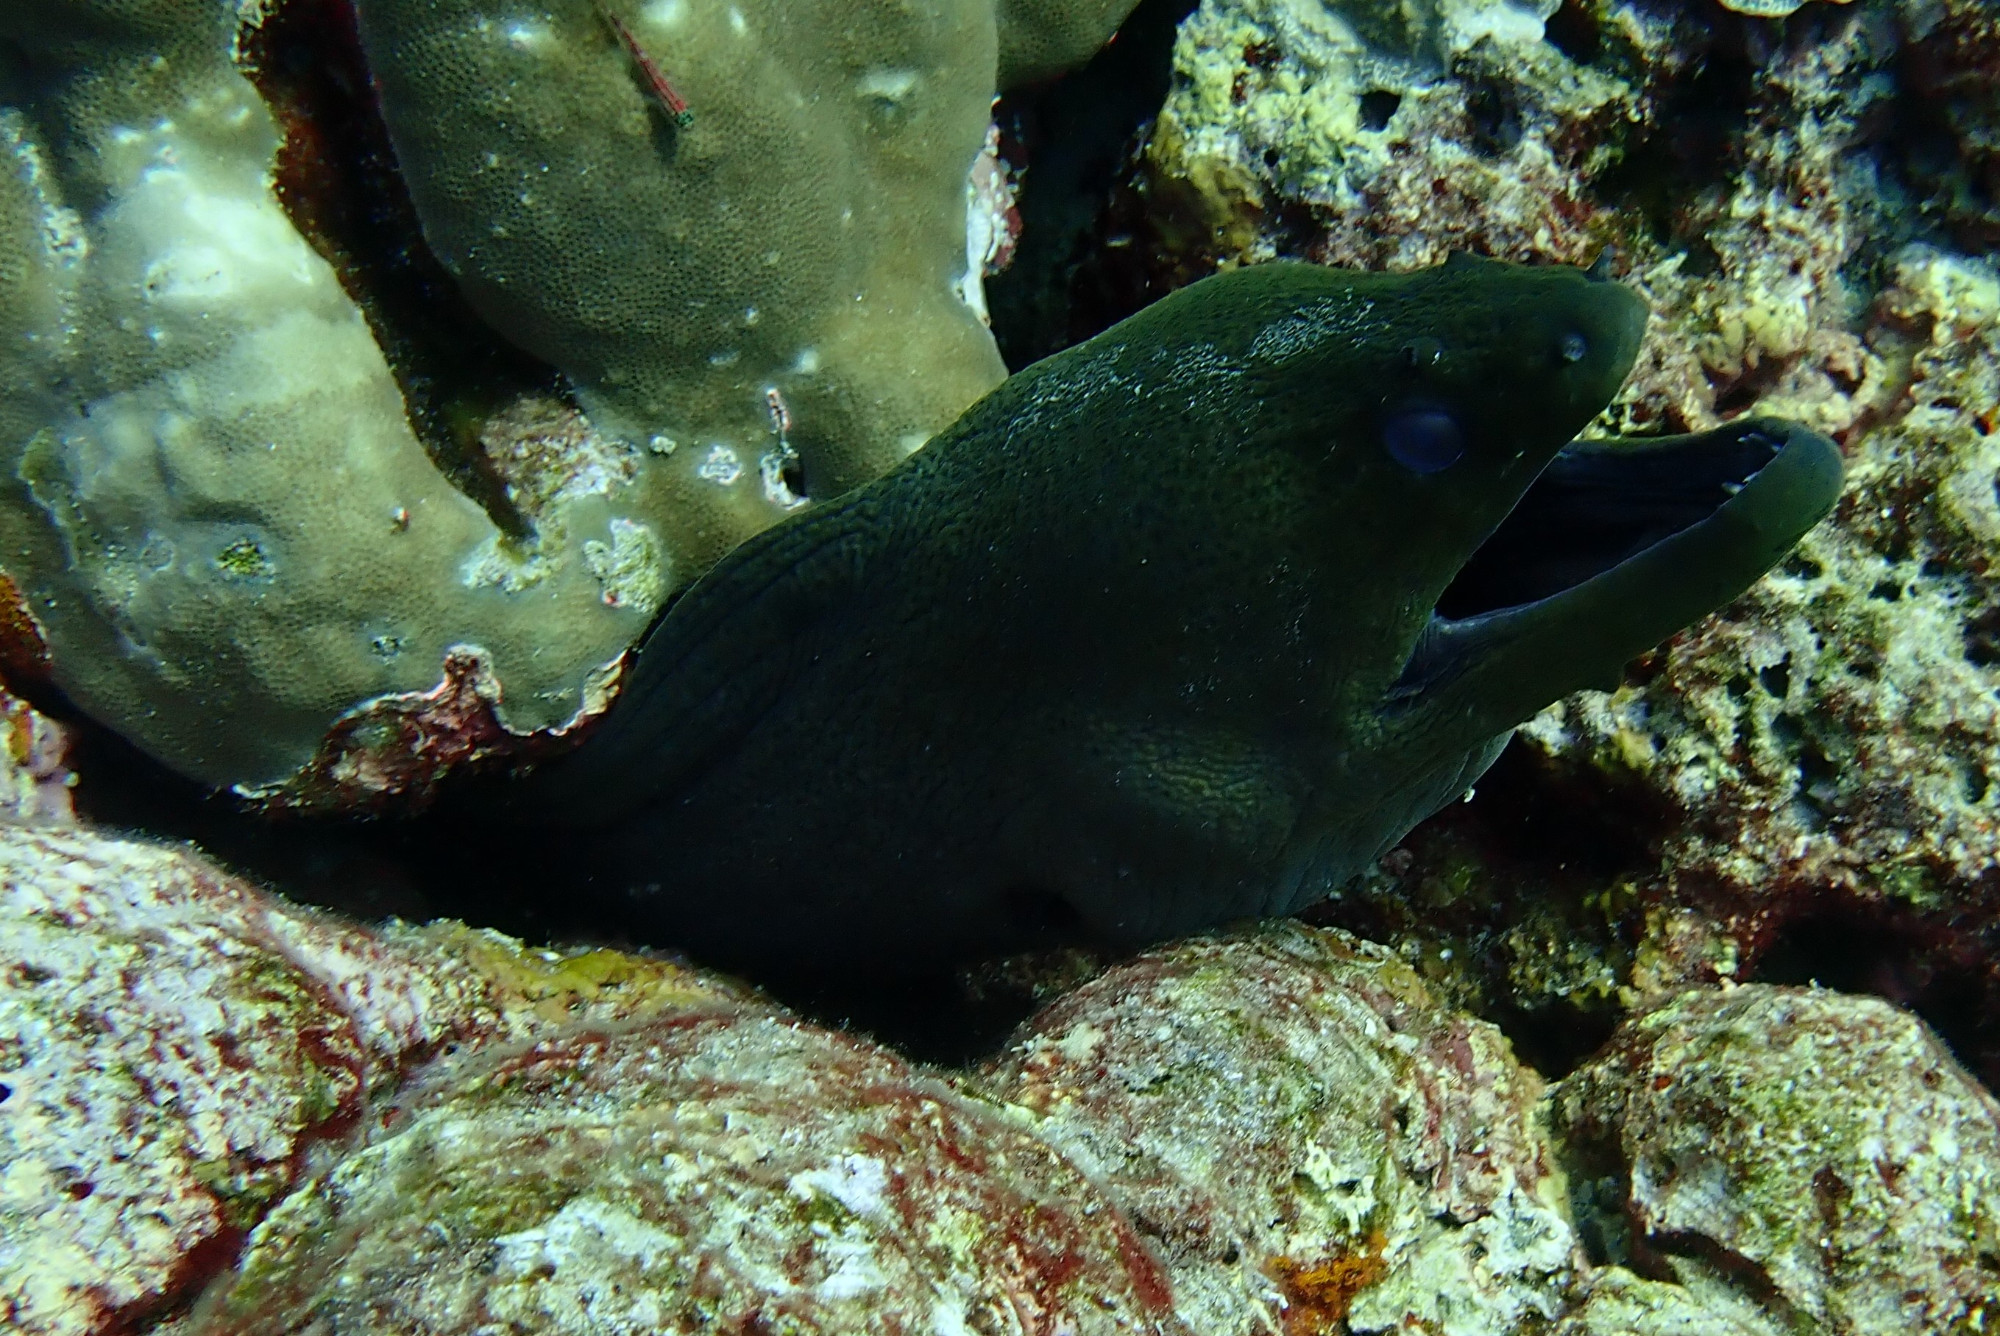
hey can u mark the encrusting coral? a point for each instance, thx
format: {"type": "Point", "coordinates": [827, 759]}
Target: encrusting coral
{"type": "Point", "coordinates": [216, 510]}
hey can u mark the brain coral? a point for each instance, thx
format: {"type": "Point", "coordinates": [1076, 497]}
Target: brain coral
{"type": "Point", "coordinates": [224, 527]}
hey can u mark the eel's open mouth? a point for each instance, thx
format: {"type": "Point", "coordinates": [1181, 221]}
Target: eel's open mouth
{"type": "Point", "coordinates": [1617, 545]}
{"type": "Point", "coordinates": [1599, 503]}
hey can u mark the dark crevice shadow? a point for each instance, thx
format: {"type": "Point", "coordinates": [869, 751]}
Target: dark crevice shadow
{"type": "Point", "coordinates": [1081, 265]}
{"type": "Point", "coordinates": [1948, 978]}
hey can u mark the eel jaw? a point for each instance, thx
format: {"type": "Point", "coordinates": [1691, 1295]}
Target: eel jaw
{"type": "Point", "coordinates": [1617, 546]}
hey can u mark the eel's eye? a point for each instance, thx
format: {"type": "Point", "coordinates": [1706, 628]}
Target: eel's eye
{"type": "Point", "coordinates": [1573, 347]}
{"type": "Point", "coordinates": [1422, 354]}
{"type": "Point", "coordinates": [1423, 440]}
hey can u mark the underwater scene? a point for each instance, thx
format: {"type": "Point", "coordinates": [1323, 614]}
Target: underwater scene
{"type": "Point", "coordinates": [1022, 668]}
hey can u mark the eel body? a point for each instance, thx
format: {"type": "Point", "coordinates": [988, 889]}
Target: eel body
{"type": "Point", "coordinates": [1187, 623]}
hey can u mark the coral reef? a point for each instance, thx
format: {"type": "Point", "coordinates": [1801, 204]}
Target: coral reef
{"type": "Point", "coordinates": [803, 232]}
{"type": "Point", "coordinates": [1825, 1146]}
{"type": "Point", "coordinates": [1333, 131]}
{"type": "Point", "coordinates": [722, 1171]}
{"type": "Point", "coordinates": [1839, 732]}
{"type": "Point", "coordinates": [233, 544]}
{"type": "Point", "coordinates": [223, 1113]}
{"type": "Point", "coordinates": [1808, 206]}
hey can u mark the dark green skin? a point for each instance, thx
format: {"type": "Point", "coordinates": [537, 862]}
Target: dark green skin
{"type": "Point", "coordinates": [1143, 643]}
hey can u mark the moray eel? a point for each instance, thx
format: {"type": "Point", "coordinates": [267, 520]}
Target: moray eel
{"type": "Point", "coordinates": [1184, 624]}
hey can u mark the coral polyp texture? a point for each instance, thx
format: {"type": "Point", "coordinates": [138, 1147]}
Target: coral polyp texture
{"type": "Point", "coordinates": [223, 1113]}
{"type": "Point", "coordinates": [226, 530]}
{"type": "Point", "coordinates": [804, 231]}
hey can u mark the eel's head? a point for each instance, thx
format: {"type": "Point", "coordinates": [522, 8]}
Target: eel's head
{"type": "Point", "coordinates": [1429, 420]}
{"type": "Point", "coordinates": [1545, 563]}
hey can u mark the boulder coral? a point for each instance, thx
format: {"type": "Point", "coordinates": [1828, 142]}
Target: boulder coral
{"type": "Point", "coordinates": [229, 537]}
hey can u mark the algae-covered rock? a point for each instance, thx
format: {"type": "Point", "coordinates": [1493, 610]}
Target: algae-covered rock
{"type": "Point", "coordinates": [1623, 1304]}
{"type": "Point", "coordinates": [223, 1113]}
{"type": "Point", "coordinates": [1821, 1148]}
{"type": "Point", "coordinates": [1803, 209]}
{"type": "Point", "coordinates": [723, 1171]}
{"type": "Point", "coordinates": [174, 1045]}
{"type": "Point", "coordinates": [1386, 136]}
{"type": "Point", "coordinates": [1305, 1136]}
{"type": "Point", "coordinates": [1841, 729]}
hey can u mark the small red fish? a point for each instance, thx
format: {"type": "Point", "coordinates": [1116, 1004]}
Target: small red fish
{"type": "Point", "coordinates": [676, 105]}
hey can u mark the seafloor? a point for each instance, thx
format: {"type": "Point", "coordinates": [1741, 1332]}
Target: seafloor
{"type": "Point", "coordinates": [373, 371]}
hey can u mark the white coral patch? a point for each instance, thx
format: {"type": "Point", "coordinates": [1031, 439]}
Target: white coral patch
{"type": "Point", "coordinates": [722, 466]}
{"type": "Point", "coordinates": [663, 13]}
{"type": "Point", "coordinates": [855, 1181]}
{"type": "Point", "coordinates": [777, 491]}
{"type": "Point", "coordinates": [500, 563]}
{"type": "Point", "coordinates": [631, 568]}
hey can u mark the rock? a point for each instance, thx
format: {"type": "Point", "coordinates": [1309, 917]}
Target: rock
{"type": "Point", "coordinates": [1822, 1152]}
{"type": "Point", "coordinates": [728, 1170]}
{"type": "Point", "coordinates": [1306, 1137]}
{"type": "Point", "coordinates": [178, 1049]}
{"type": "Point", "coordinates": [223, 1113]}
